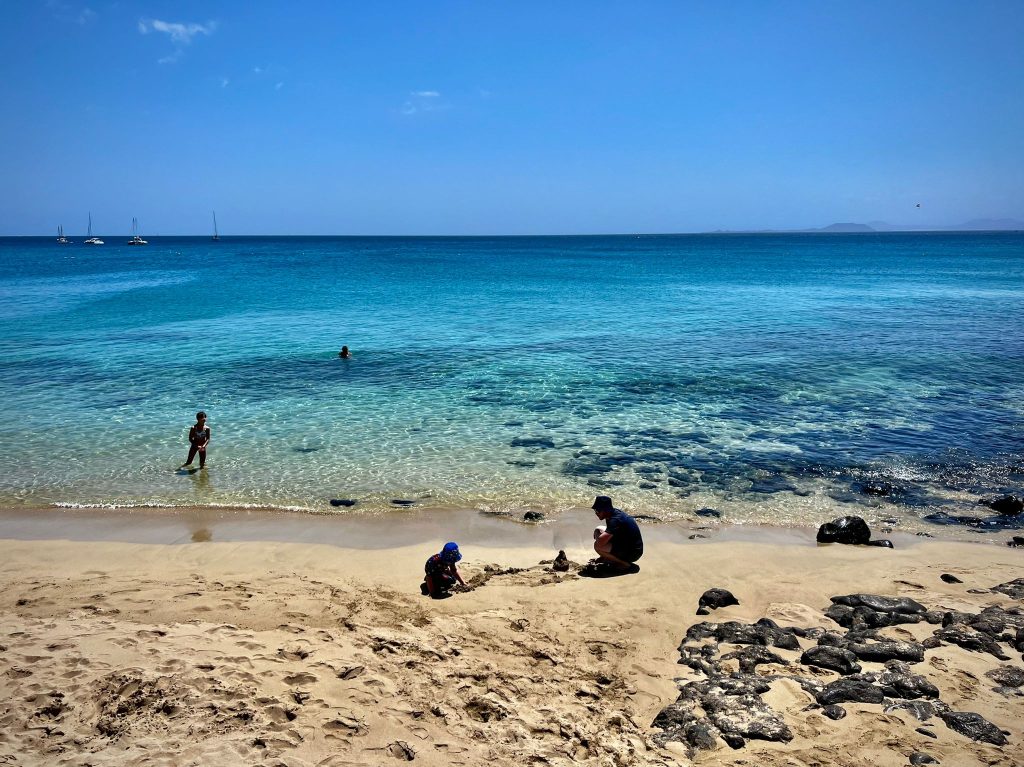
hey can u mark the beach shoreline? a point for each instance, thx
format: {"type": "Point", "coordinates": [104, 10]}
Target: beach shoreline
{"type": "Point", "coordinates": [319, 650]}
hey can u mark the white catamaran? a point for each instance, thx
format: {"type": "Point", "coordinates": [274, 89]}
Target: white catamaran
{"type": "Point", "coordinates": [216, 236]}
{"type": "Point", "coordinates": [136, 240]}
{"type": "Point", "coordinates": [90, 240]}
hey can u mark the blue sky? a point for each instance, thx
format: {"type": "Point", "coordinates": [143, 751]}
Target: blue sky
{"type": "Point", "coordinates": [483, 117]}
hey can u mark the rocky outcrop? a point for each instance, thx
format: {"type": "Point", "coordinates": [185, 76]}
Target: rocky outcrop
{"type": "Point", "coordinates": [724, 704]}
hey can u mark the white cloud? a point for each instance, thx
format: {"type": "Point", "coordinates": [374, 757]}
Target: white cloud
{"type": "Point", "coordinates": [224, 82]}
{"type": "Point", "coordinates": [279, 86]}
{"type": "Point", "coordinates": [181, 34]}
{"type": "Point", "coordinates": [423, 101]}
{"type": "Point", "coordinates": [257, 70]}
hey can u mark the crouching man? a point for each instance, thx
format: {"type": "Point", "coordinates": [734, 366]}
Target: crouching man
{"type": "Point", "coordinates": [618, 542]}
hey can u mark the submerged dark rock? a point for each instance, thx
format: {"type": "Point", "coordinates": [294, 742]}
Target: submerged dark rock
{"type": "Point", "coordinates": [343, 502]}
{"type": "Point", "coordinates": [848, 530]}
{"type": "Point", "coordinates": [876, 488]}
{"type": "Point", "coordinates": [712, 513]}
{"type": "Point", "coordinates": [1007, 505]}
{"type": "Point", "coordinates": [537, 442]}
{"type": "Point", "coordinates": [533, 516]}
{"type": "Point", "coordinates": [712, 599]}
{"type": "Point", "coordinates": [973, 726]}
{"type": "Point", "coordinates": [402, 502]}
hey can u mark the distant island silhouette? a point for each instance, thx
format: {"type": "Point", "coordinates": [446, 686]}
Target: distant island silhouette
{"type": "Point", "coordinates": [974, 225]}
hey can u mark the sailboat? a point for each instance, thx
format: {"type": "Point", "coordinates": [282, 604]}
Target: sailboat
{"type": "Point", "coordinates": [216, 237]}
{"type": "Point", "coordinates": [61, 239]}
{"type": "Point", "coordinates": [136, 240]}
{"type": "Point", "coordinates": [90, 240]}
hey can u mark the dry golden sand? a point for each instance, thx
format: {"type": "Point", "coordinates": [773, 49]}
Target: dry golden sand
{"type": "Point", "coordinates": [224, 653]}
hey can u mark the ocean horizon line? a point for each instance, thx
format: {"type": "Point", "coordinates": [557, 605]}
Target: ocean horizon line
{"type": "Point", "coordinates": [716, 233]}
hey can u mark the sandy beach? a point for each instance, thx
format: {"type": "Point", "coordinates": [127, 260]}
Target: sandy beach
{"type": "Point", "coordinates": [170, 637]}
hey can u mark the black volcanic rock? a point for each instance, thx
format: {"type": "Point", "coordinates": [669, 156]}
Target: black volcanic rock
{"type": "Point", "coordinates": [883, 543]}
{"type": "Point", "coordinates": [832, 658]}
{"type": "Point", "coordinates": [834, 712]}
{"type": "Point", "coordinates": [765, 632]}
{"type": "Point", "coordinates": [850, 690]}
{"type": "Point", "coordinates": [712, 599]}
{"type": "Point", "coordinates": [342, 502]}
{"type": "Point", "coordinates": [971, 639]}
{"type": "Point", "coordinates": [533, 516]}
{"type": "Point", "coordinates": [898, 681]}
{"type": "Point", "coordinates": [973, 726]}
{"type": "Point", "coordinates": [1007, 676]}
{"type": "Point", "coordinates": [848, 530]}
{"type": "Point", "coordinates": [882, 604]}
{"type": "Point", "coordinates": [879, 652]}
{"type": "Point", "coordinates": [1014, 588]}
{"type": "Point", "coordinates": [921, 710]}
{"type": "Point", "coordinates": [947, 578]}
{"type": "Point", "coordinates": [712, 513]}
{"type": "Point", "coordinates": [753, 656]}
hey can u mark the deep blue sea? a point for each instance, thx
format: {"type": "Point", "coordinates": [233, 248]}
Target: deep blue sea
{"type": "Point", "coordinates": [771, 377]}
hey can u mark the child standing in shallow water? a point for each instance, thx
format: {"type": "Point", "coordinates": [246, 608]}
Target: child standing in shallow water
{"type": "Point", "coordinates": [198, 438]}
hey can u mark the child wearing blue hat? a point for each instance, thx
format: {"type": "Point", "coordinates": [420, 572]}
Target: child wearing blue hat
{"type": "Point", "coordinates": [441, 573]}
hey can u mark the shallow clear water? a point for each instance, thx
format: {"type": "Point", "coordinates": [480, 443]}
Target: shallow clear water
{"type": "Point", "coordinates": [767, 376]}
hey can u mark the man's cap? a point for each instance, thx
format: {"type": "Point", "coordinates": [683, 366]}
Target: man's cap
{"type": "Point", "coordinates": [602, 503]}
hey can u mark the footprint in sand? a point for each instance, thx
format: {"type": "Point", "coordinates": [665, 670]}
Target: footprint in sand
{"type": "Point", "coordinates": [401, 750]}
{"type": "Point", "coordinates": [300, 678]}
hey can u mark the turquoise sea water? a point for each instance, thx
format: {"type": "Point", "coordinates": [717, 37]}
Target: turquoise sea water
{"type": "Point", "coordinates": [767, 376]}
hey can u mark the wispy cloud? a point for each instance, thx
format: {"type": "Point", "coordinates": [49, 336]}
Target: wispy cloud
{"type": "Point", "coordinates": [422, 101]}
{"type": "Point", "coordinates": [181, 34]}
{"type": "Point", "coordinates": [70, 13]}
{"type": "Point", "coordinates": [279, 86]}
{"type": "Point", "coordinates": [224, 82]}
{"type": "Point", "coordinates": [257, 70]}
{"type": "Point", "coordinates": [170, 58]}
